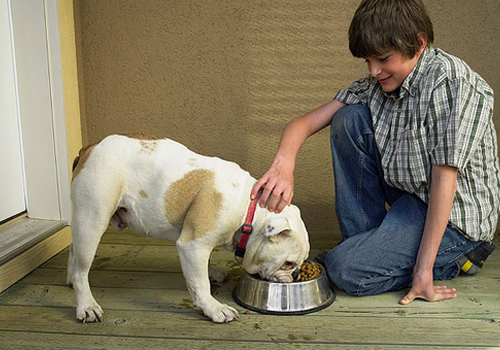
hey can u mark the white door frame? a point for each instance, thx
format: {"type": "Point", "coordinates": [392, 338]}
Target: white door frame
{"type": "Point", "coordinates": [41, 108]}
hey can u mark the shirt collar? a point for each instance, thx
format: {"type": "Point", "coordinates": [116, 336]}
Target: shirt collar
{"type": "Point", "coordinates": [412, 81]}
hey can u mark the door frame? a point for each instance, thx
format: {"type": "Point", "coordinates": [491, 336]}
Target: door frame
{"type": "Point", "coordinates": [43, 129]}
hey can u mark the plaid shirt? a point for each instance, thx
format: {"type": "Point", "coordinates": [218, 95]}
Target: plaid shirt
{"type": "Point", "coordinates": [442, 115]}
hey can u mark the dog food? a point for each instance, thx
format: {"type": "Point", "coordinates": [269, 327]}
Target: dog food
{"type": "Point", "coordinates": [308, 272]}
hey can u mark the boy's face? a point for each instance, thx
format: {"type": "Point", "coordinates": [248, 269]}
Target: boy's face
{"type": "Point", "coordinates": [391, 68]}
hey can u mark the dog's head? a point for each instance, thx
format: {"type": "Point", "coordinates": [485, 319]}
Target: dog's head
{"type": "Point", "coordinates": [278, 247]}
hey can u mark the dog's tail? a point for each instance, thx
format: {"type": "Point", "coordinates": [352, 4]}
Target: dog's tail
{"type": "Point", "coordinates": [75, 162]}
{"type": "Point", "coordinates": [81, 157]}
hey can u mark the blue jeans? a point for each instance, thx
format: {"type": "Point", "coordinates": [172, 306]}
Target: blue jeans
{"type": "Point", "coordinates": [379, 246]}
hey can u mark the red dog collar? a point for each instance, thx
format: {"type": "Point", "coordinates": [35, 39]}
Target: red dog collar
{"type": "Point", "coordinates": [247, 228]}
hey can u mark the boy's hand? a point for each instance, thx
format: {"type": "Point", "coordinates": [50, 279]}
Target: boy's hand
{"type": "Point", "coordinates": [423, 288]}
{"type": "Point", "coordinates": [278, 189]}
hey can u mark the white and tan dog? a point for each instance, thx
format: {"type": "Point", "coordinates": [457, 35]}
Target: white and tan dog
{"type": "Point", "coordinates": [161, 189]}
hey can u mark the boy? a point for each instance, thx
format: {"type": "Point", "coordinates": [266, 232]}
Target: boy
{"type": "Point", "coordinates": [416, 134]}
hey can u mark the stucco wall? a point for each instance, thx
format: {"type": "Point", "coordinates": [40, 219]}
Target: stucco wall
{"type": "Point", "coordinates": [225, 76]}
{"type": "Point", "coordinates": [70, 78]}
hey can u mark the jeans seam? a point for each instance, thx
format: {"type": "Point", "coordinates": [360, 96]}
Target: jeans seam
{"type": "Point", "coordinates": [359, 191]}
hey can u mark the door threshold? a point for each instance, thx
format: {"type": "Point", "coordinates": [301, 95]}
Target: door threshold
{"type": "Point", "coordinates": [19, 236]}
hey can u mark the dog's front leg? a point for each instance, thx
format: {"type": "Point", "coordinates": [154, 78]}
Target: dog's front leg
{"type": "Point", "coordinates": [194, 259]}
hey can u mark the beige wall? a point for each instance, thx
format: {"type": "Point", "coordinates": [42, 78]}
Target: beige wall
{"type": "Point", "coordinates": [70, 77]}
{"type": "Point", "coordinates": [225, 76]}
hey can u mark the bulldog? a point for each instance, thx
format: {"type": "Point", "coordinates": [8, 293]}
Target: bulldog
{"type": "Point", "coordinates": [161, 189]}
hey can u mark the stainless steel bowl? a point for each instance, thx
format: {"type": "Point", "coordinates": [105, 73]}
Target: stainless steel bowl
{"type": "Point", "coordinates": [295, 298]}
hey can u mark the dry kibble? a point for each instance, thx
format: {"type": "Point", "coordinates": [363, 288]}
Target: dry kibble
{"type": "Point", "coordinates": [308, 272]}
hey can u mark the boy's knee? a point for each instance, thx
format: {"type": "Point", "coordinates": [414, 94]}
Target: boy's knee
{"type": "Point", "coordinates": [341, 273]}
{"type": "Point", "coordinates": [351, 120]}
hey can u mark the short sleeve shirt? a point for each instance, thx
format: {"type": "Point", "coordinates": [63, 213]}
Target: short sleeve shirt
{"type": "Point", "coordinates": [441, 115]}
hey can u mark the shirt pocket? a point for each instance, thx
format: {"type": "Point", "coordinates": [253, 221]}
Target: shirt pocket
{"type": "Point", "coordinates": [409, 165]}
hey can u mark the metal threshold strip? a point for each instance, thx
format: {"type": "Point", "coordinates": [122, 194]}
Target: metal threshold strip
{"type": "Point", "coordinates": [23, 234]}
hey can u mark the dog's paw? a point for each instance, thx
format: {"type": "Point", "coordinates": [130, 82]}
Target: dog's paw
{"type": "Point", "coordinates": [222, 314]}
{"type": "Point", "coordinates": [216, 275]}
{"type": "Point", "coordinates": [90, 314]}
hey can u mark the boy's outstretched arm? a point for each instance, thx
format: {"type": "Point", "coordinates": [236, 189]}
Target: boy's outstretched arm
{"type": "Point", "coordinates": [442, 192]}
{"type": "Point", "coordinates": [278, 180]}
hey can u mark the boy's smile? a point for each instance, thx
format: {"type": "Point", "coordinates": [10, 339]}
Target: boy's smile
{"type": "Point", "coordinates": [391, 68]}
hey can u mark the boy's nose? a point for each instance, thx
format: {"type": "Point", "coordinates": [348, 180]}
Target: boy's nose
{"type": "Point", "coordinates": [374, 69]}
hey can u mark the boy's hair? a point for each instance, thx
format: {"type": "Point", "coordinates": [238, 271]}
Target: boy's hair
{"type": "Point", "coordinates": [379, 26]}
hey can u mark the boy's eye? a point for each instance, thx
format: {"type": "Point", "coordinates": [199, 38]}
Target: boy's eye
{"type": "Point", "coordinates": [383, 59]}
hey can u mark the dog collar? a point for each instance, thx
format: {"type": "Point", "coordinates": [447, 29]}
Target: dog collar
{"type": "Point", "coordinates": [247, 228]}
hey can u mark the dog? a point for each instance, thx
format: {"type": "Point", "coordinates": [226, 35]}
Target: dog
{"type": "Point", "coordinates": [161, 189]}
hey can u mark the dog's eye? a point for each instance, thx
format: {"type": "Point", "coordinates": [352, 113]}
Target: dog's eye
{"type": "Point", "coordinates": [288, 265]}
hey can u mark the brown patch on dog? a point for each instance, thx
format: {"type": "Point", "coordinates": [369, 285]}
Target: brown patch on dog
{"type": "Point", "coordinates": [143, 194]}
{"type": "Point", "coordinates": [142, 136]}
{"type": "Point", "coordinates": [148, 141]}
{"type": "Point", "coordinates": [193, 204]}
{"type": "Point", "coordinates": [80, 160]}
{"type": "Point", "coordinates": [149, 147]}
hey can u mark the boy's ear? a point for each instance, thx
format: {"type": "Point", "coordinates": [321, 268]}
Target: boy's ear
{"type": "Point", "coordinates": [422, 40]}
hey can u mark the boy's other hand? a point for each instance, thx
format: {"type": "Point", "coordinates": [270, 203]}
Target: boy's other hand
{"type": "Point", "coordinates": [423, 288]}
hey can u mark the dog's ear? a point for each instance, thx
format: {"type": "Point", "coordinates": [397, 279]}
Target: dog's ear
{"type": "Point", "coordinates": [277, 228]}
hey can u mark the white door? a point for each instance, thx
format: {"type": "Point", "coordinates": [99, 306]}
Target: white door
{"type": "Point", "coordinates": [12, 192]}
{"type": "Point", "coordinates": [33, 145]}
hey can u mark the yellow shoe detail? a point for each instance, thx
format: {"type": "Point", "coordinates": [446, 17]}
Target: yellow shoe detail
{"type": "Point", "coordinates": [465, 267]}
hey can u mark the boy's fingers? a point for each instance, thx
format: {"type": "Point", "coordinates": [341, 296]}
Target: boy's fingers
{"type": "Point", "coordinates": [257, 187]}
{"type": "Point", "coordinates": [268, 189]}
{"type": "Point", "coordinates": [444, 293]}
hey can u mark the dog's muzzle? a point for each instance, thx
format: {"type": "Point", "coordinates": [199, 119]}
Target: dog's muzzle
{"type": "Point", "coordinates": [296, 274]}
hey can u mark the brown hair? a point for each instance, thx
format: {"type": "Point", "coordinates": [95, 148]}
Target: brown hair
{"type": "Point", "coordinates": [379, 26]}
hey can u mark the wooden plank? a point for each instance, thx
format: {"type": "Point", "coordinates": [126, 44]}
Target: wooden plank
{"type": "Point", "coordinates": [112, 279]}
{"type": "Point", "coordinates": [127, 298]}
{"type": "Point", "coordinates": [24, 263]}
{"type": "Point", "coordinates": [162, 258]}
{"type": "Point", "coordinates": [467, 286]}
{"type": "Point", "coordinates": [128, 237]}
{"type": "Point", "coordinates": [455, 333]}
{"type": "Point", "coordinates": [30, 340]}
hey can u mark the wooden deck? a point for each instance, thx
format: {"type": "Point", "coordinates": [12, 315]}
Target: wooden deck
{"type": "Point", "coordinates": [138, 282]}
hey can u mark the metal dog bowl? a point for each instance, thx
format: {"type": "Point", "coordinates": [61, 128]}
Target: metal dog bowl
{"type": "Point", "coordinates": [294, 298]}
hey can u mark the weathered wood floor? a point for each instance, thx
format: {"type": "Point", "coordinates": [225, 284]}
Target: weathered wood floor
{"type": "Point", "coordinates": [138, 282]}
